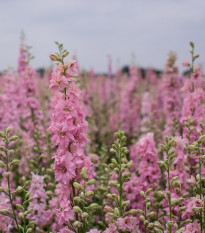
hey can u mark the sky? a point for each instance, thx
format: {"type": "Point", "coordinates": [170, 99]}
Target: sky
{"type": "Point", "coordinates": [139, 31]}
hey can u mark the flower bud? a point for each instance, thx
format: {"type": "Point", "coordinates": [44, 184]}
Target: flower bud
{"type": "Point", "coordinates": [28, 211]}
{"type": "Point", "coordinates": [78, 224]}
{"type": "Point", "coordinates": [139, 211]}
{"type": "Point", "coordinates": [146, 222]}
{"type": "Point", "coordinates": [77, 199]}
{"type": "Point", "coordinates": [93, 206]}
{"type": "Point", "coordinates": [142, 193]}
{"type": "Point", "coordinates": [7, 175]}
{"type": "Point", "coordinates": [77, 209]}
{"type": "Point", "coordinates": [83, 173]}
{"type": "Point", "coordinates": [2, 164]}
{"type": "Point", "coordinates": [3, 148]}
{"type": "Point", "coordinates": [2, 135]}
{"type": "Point", "coordinates": [132, 212]}
{"type": "Point", "coordinates": [19, 207]}
{"type": "Point", "coordinates": [18, 190]}
{"type": "Point", "coordinates": [5, 212]}
{"type": "Point", "coordinates": [14, 163]}
{"type": "Point", "coordinates": [85, 215]}
{"type": "Point", "coordinates": [112, 150]}
{"type": "Point", "coordinates": [150, 225]}
{"type": "Point", "coordinates": [148, 191]}
{"type": "Point", "coordinates": [31, 224]}
{"type": "Point", "coordinates": [197, 209]}
{"type": "Point", "coordinates": [152, 215]}
{"type": "Point", "coordinates": [21, 215]}
{"type": "Point", "coordinates": [1, 189]}
{"type": "Point", "coordinates": [13, 138]}
{"type": "Point", "coordinates": [30, 230]}
{"type": "Point", "coordinates": [54, 57]}
{"type": "Point", "coordinates": [191, 44]}
{"type": "Point", "coordinates": [8, 130]}
{"type": "Point", "coordinates": [90, 182]}
{"type": "Point", "coordinates": [65, 53]}
{"type": "Point", "coordinates": [142, 218]}
{"type": "Point", "coordinates": [77, 185]}
{"type": "Point", "coordinates": [89, 193]}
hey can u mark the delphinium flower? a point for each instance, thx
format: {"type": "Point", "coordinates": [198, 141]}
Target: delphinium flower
{"type": "Point", "coordinates": [193, 110]}
{"type": "Point", "coordinates": [172, 201]}
{"type": "Point", "coordinates": [68, 129]}
{"type": "Point", "coordinates": [151, 76]}
{"type": "Point", "coordinates": [83, 206]}
{"type": "Point", "coordinates": [11, 101]}
{"type": "Point", "coordinates": [144, 157]}
{"type": "Point", "coordinates": [190, 228]}
{"type": "Point", "coordinates": [145, 112]}
{"type": "Point", "coordinates": [129, 108]}
{"type": "Point", "coordinates": [31, 115]}
{"type": "Point", "coordinates": [5, 222]}
{"type": "Point", "coordinates": [178, 164]}
{"type": "Point", "coordinates": [21, 59]}
{"type": "Point", "coordinates": [193, 105]}
{"type": "Point", "coordinates": [18, 212]}
{"type": "Point", "coordinates": [41, 214]}
{"type": "Point", "coordinates": [171, 93]}
{"type": "Point", "coordinates": [116, 209]}
{"type": "Point", "coordinates": [197, 147]}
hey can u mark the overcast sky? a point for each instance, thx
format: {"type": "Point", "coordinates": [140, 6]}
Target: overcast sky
{"type": "Point", "coordinates": [92, 29]}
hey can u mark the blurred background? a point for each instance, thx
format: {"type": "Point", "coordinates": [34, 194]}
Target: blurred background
{"type": "Point", "coordinates": [139, 31]}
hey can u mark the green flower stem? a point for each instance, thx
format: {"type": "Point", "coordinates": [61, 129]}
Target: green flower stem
{"type": "Point", "coordinates": [200, 187]}
{"type": "Point", "coordinates": [204, 213]}
{"type": "Point", "coordinates": [9, 186]}
{"type": "Point", "coordinates": [121, 188]}
{"type": "Point", "coordinates": [145, 215]}
{"type": "Point", "coordinates": [169, 196]}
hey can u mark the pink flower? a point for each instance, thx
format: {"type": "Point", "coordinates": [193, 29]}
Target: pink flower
{"type": "Point", "coordinates": [185, 63]}
{"type": "Point", "coordinates": [94, 231]}
{"type": "Point", "coordinates": [65, 168]}
{"type": "Point", "coordinates": [193, 227]}
{"type": "Point", "coordinates": [111, 229]}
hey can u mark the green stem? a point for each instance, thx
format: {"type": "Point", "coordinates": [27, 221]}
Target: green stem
{"type": "Point", "coordinates": [200, 188]}
{"type": "Point", "coordinates": [120, 181]}
{"type": "Point", "coordinates": [204, 213]}
{"type": "Point", "coordinates": [145, 227]}
{"type": "Point", "coordinates": [169, 196]}
{"type": "Point", "coordinates": [9, 187]}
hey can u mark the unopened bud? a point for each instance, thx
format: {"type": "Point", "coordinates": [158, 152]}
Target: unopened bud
{"type": "Point", "coordinates": [191, 44]}
{"type": "Point", "coordinates": [4, 212]}
{"type": "Point", "coordinates": [15, 162]}
{"type": "Point", "coordinates": [78, 224]}
{"type": "Point", "coordinates": [77, 209]}
{"type": "Point", "coordinates": [13, 138]}
{"type": "Point", "coordinates": [93, 206]}
{"type": "Point", "coordinates": [7, 175]}
{"type": "Point", "coordinates": [89, 193]}
{"type": "Point", "coordinates": [30, 230]}
{"type": "Point", "coordinates": [77, 185]}
{"type": "Point", "coordinates": [65, 53]}
{"type": "Point", "coordinates": [3, 148]}
{"type": "Point", "coordinates": [1, 164]}
{"type": "Point", "coordinates": [8, 130]}
{"type": "Point", "coordinates": [54, 57]}
{"type": "Point", "coordinates": [84, 215]}
{"type": "Point", "coordinates": [90, 182]}
{"type": "Point", "coordinates": [83, 173]}
{"type": "Point", "coordinates": [21, 215]}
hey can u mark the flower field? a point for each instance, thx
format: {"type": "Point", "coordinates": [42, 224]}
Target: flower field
{"type": "Point", "coordinates": [84, 152]}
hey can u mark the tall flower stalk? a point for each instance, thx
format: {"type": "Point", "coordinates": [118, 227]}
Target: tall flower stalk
{"type": "Point", "coordinates": [68, 129]}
